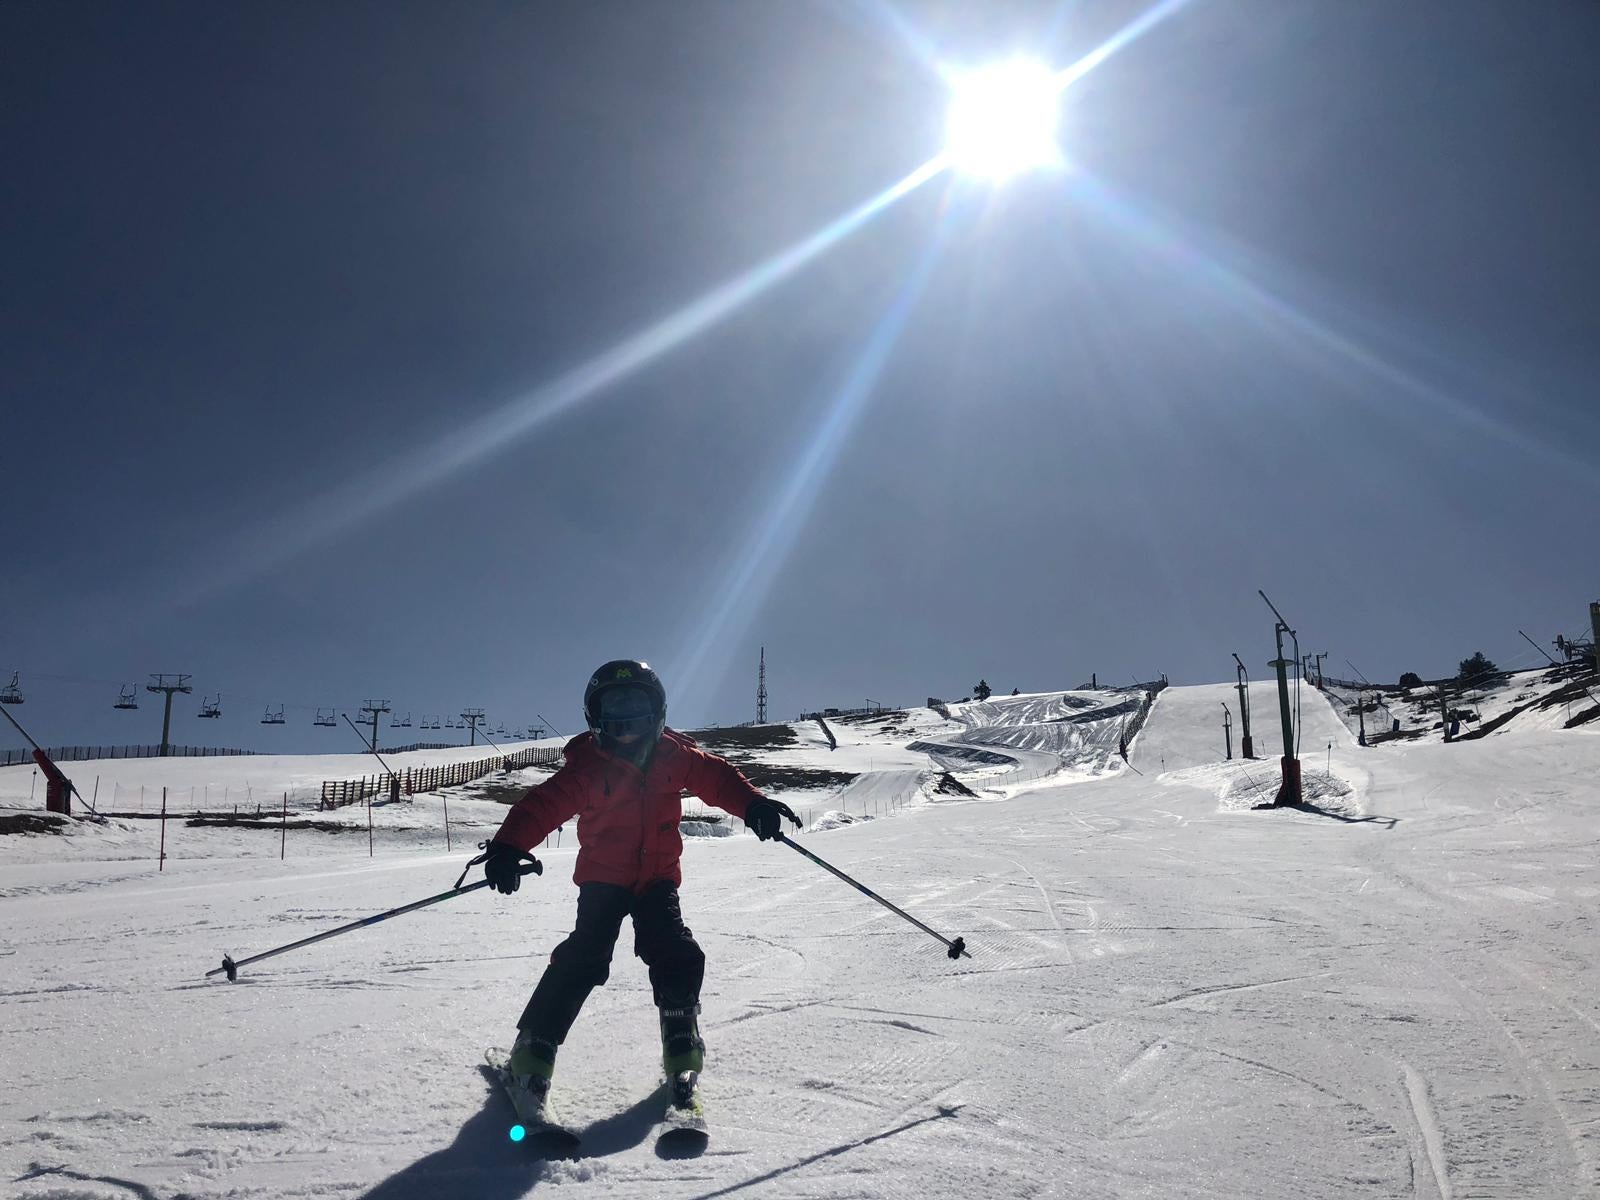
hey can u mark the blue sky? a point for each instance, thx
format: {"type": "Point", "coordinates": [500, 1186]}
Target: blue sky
{"type": "Point", "coordinates": [288, 288]}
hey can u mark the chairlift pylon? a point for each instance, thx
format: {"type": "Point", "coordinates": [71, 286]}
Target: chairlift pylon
{"type": "Point", "coordinates": [211, 708]}
{"type": "Point", "coordinates": [273, 718]}
{"type": "Point", "coordinates": [128, 698]}
{"type": "Point", "coordinates": [13, 690]}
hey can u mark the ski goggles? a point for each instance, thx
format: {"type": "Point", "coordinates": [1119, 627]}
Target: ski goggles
{"type": "Point", "coordinates": [627, 710]}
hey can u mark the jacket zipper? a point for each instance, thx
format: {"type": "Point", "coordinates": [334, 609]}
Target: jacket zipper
{"type": "Point", "coordinates": [644, 822]}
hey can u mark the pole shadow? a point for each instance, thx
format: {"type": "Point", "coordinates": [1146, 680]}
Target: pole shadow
{"type": "Point", "coordinates": [1374, 819]}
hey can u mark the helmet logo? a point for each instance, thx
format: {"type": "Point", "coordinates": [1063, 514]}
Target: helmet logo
{"type": "Point", "coordinates": [623, 673]}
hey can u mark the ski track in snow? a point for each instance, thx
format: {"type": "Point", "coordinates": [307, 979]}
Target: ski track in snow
{"type": "Point", "coordinates": [1391, 992]}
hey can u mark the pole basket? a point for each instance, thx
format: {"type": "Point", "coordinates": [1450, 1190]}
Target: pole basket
{"type": "Point", "coordinates": [1289, 791]}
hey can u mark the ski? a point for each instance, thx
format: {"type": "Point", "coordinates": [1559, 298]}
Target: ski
{"type": "Point", "coordinates": [684, 1124]}
{"type": "Point", "coordinates": [541, 1124]}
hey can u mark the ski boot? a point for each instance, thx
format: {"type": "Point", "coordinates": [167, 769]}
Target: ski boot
{"type": "Point", "coordinates": [531, 1066]}
{"type": "Point", "coordinates": [683, 1056]}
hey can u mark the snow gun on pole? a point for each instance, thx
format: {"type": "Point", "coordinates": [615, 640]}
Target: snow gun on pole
{"type": "Point", "coordinates": [955, 948]}
{"type": "Point", "coordinates": [1525, 638]}
{"type": "Point", "coordinates": [230, 966]}
{"type": "Point", "coordinates": [37, 749]}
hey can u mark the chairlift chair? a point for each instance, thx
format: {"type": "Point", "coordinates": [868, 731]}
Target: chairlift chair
{"type": "Point", "coordinates": [325, 716]}
{"type": "Point", "coordinates": [273, 718]}
{"type": "Point", "coordinates": [127, 699]}
{"type": "Point", "coordinates": [405, 721]}
{"type": "Point", "coordinates": [211, 708]}
{"type": "Point", "coordinates": [13, 690]}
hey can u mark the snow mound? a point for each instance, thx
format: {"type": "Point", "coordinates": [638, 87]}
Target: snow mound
{"type": "Point", "coordinates": [834, 819]}
{"type": "Point", "coordinates": [1241, 785]}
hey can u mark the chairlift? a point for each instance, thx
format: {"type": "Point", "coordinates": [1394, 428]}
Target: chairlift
{"type": "Point", "coordinates": [405, 721]}
{"type": "Point", "coordinates": [273, 718]}
{"type": "Point", "coordinates": [395, 722]}
{"type": "Point", "coordinates": [13, 690]}
{"type": "Point", "coordinates": [501, 732]}
{"type": "Point", "coordinates": [325, 716]}
{"type": "Point", "coordinates": [211, 708]}
{"type": "Point", "coordinates": [127, 699]}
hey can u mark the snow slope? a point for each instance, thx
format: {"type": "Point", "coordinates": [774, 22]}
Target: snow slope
{"type": "Point", "coordinates": [1165, 997]}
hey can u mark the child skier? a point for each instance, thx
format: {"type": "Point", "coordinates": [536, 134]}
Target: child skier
{"type": "Point", "coordinates": [622, 780]}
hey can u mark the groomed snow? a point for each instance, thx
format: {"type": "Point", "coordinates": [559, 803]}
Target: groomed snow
{"type": "Point", "coordinates": [1394, 996]}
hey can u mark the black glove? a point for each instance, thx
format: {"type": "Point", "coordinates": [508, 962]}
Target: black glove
{"type": "Point", "coordinates": [502, 866]}
{"type": "Point", "coordinates": [765, 817]}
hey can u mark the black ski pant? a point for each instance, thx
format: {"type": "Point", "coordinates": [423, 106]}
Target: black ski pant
{"type": "Point", "coordinates": [583, 962]}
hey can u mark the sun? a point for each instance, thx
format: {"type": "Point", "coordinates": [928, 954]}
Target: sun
{"type": "Point", "coordinates": [1002, 119]}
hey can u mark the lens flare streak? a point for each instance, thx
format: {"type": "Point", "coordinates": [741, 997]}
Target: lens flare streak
{"type": "Point", "coordinates": [763, 555]}
{"type": "Point", "coordinates": [1261, 303]}
{"type": "Point", "coordinates": [1124, 37]}
{"type": "Point", "coordinates": [359, 501]}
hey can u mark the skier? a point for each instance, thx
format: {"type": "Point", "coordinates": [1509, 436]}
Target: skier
{"type": "Point", "coordinates": [622, 781]}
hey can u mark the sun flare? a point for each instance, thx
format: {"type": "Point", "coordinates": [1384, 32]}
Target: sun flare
{"type": "Point", "coordinates": [1002, 119]}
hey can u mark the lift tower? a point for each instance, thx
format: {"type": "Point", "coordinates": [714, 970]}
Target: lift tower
{"type": "Point", "coordinates": [169, 684]}
{"type": "Point", "coordinates": [761, 689]}
{"type": "Point", "coordinates": [370, 711]}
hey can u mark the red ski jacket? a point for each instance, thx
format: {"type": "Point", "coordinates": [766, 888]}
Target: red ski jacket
{"type": "Point", "coordinates": [627, 818]}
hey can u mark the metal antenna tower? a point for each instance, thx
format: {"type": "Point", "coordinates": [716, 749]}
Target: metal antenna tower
{"type": "Point", "coordinates": [472, 716]}
{"type": "Point", "coordinates": [169, 684]}
{"type": "Point", "coordinates": [761, 690]}
{"type": "Point", "coordinates": [370, 711]}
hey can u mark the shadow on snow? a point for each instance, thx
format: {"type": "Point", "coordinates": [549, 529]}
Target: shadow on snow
{"type": "Point", "coordinates": [484, 1163]}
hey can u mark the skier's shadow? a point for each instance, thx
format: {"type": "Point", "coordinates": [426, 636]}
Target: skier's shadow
{"type": "Point", "coordinates": [484, 1163]}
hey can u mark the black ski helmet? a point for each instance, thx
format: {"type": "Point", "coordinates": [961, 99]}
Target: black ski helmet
{"type": "Point", "coordinates": [633, 675]}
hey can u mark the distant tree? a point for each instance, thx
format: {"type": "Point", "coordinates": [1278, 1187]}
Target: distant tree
{"type": "Point", "coordinates": [1410, 680]}
{"type": "Point", "coordinates": [983, 690]}
{"type": "Point", "coordinates": [1476, 669]}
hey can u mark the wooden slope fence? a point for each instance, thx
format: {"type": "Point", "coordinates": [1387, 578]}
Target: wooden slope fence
{"type": "Point", "coordinates": [338, 792]}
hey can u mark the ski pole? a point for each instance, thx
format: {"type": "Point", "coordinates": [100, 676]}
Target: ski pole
{"type": "Point", "coordinates": [955, 948]}
{"type": "Point", "coordinates": [230, 966]}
